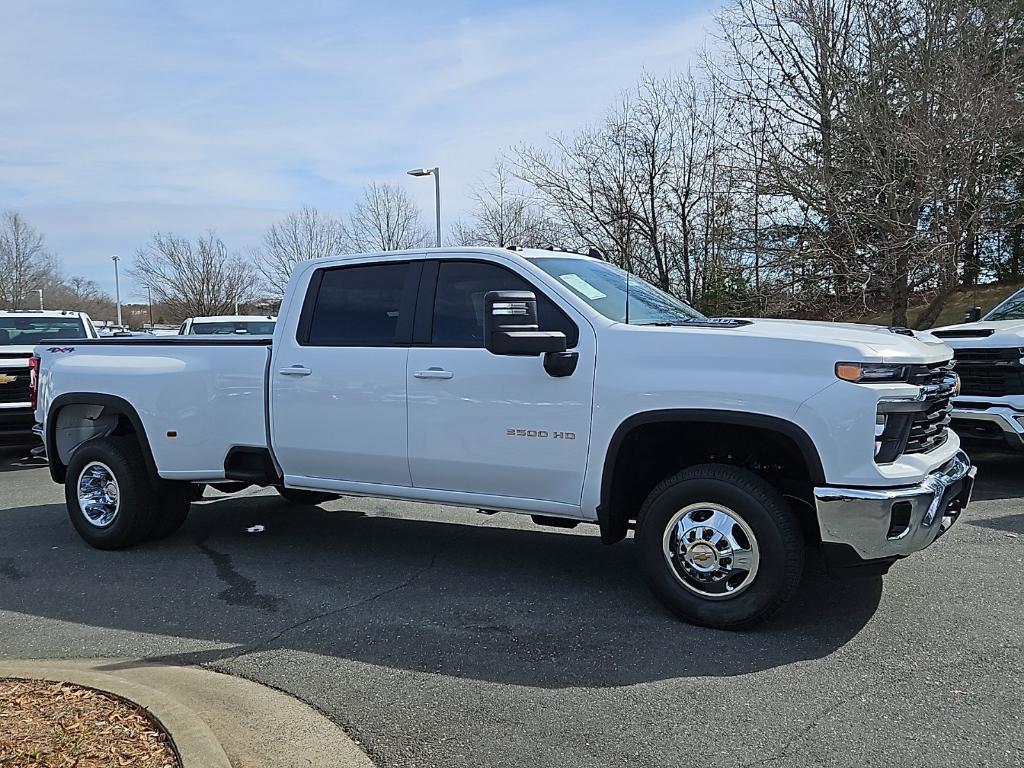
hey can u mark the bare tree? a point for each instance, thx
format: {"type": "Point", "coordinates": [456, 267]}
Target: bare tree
{"type": "Point", "coordinates": [304, 234]}
{"type": "Point", "coordinates": [882, 127]}
{"type": "Point", "coordinates": [80, 294]}
{"type": "Point", "coordinates": [505, 214]}
{"type": "Point", "coordinates": [25, 264]}
{"type": "Point", "coordinates": [194, 279]}
{"type": "Point", "coordinates": [385, 219]}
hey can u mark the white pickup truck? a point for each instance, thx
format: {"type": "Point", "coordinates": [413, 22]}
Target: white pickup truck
{"type": "Point", "coordinates": [256, 325]}
{"type": "Point", "coordinates": [538, 382]}
{"type": "Point", "coordinates": [989, 355]}
{"type": "Point", "coordinates": [20, 331]}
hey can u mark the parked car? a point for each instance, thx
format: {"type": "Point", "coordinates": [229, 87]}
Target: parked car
{"type": "Point", "coordinates": [20, 332]}
{"type": "Point", "coordinates": [989, 355]}
{"type": "Point", "coordinates": [537, 382]}
{"type": "Point", "coordinates": [251, 325]}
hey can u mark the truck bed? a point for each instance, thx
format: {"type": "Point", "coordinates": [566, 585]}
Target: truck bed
{"type": "Point", "coordinates": [196, 397]}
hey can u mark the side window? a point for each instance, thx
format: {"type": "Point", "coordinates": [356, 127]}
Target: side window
{"type": "Point", "coordinates": [459, 303]}
{"type": "Point", "coordinates": [361, 305]}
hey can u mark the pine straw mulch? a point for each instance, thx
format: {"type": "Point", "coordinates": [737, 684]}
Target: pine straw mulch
{"type": "Point", "coordinates": [58, 725]}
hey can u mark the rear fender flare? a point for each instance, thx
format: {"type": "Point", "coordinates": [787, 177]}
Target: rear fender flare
{"type": "Point", "coordinates": [118, 405]}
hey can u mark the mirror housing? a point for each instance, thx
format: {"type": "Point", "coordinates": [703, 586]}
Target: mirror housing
{"type": "Point", "coordinates": [972, 315]}
{"type": "Point", "coordinates": [510, 325]}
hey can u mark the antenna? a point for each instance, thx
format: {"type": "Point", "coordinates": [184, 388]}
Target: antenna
{"type": "Point", "coordinates": [627, 297]}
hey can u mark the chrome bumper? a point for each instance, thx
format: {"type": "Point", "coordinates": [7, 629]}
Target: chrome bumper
{"type": "Point", "coordinates": [1004, 418]}
{"type": "Point", "coordinates": [887, 523]}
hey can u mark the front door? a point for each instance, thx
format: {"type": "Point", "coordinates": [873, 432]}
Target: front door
{"type": "Point", "coordinates": [338, 399]}
{"type": "Point", "coordinates": [489, 424]}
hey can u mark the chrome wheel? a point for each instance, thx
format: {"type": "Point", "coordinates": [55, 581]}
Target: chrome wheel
{"type": "Point", "coordinates": [711, 550]}
{"type": "Point", "coordinates": [99, 497]}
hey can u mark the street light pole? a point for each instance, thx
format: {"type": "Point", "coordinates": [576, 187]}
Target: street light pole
{"type": "Point", "coordinates": [40, 292]}
{"type": "Point", "coordinates": [436, 173]}
{"type": "Point", "coordinates": [117, 287]}
{"type": "Point", "coordinates": [149, 289]}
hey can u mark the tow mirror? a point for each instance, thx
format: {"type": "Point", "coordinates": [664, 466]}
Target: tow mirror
{"type": "Point", "coordinates": [972, 315]}
{"type": "Point", "coordinates": [510, 325]}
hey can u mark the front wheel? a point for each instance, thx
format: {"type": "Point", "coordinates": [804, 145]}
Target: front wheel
{"type": "Point", "coordinates": [720, 546]}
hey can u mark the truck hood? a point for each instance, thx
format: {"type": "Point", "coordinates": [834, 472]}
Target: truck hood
{"type": "Point", "coordinates": [984, 333]}
{"type": "Point", "coordinates": [808, 340]}
{"type": "Point", "coordinates": [875, 340]}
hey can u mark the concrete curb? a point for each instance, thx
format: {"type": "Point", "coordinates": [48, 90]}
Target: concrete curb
{"type": "Point", "coordinates": [215, 720]}
{"type": "Point", "coordinates": [193, 739]}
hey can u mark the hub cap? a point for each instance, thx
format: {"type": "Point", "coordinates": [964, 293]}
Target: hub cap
{"type": "Point", "coordinates": [711, 550]}
{"type": "Point", "coordinates": [99, 498]}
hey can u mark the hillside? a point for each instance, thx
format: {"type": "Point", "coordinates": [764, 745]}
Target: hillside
{"type": "Point", "coordinates": [984, 296]}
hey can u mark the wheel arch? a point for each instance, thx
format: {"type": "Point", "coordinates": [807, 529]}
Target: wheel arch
{"type": "Point", "coordinates": [123, 419]}
{"type": "Point", "coordinates": [613, 520]}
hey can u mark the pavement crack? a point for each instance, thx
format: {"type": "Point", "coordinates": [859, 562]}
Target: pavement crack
{"type": "Point", "coordinates": [240, 590]}
{"type": "Point", "coordinates": [815, 722]}
{"type": "Point", "coordinates": [10, 571]}
{"type": "Point", "coordinates": [267, 642]}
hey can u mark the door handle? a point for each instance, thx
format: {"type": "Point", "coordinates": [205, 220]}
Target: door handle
{"type": "Point", "coordinates": [295, 370]}
{"type": "Point", "coordinates": [433, 373]}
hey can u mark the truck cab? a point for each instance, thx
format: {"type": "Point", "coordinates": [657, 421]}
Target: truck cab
{"type": "Point", "coordinates": [20, 332]}
{"type": "Point", "coordinates": [988, 414]}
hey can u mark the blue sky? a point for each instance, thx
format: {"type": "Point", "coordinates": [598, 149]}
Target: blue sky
{"type": "Point", "coordinates": [118, 119]}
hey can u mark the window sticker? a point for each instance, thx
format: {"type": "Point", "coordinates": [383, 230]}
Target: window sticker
{"type": "Point", "coordinates": [580, 285]}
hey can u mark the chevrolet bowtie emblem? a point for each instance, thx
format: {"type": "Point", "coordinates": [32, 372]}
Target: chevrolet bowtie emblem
{"type": "Point", "coordinates": [7, 378]}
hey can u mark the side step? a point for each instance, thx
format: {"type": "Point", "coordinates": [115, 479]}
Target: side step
{"type": "Point", "coordinates": [554, 522]}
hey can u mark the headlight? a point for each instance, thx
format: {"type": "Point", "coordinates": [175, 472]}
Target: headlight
{"type": "Point", "coordinates": [867, 373]}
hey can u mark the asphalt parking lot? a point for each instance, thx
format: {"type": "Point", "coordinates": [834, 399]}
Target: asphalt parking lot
{"type": "Point", "coordinates": [442, 637]}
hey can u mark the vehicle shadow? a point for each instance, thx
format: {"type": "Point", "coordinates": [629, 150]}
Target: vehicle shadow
{"type": "Point", "coordinates": [1000, 476]}
{"type": "Point", "coordinates": [16, 459]}
{"type": "Point", "coordinates": [526, 607]}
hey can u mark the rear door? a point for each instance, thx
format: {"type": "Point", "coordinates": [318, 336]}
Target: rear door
{"type": "Point", "coordinates": [338, 383]}
{"type": "Point", "coordinates": [487, 424]}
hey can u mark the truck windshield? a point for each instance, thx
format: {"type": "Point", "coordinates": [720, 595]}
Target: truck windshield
{"type": "Point", "coordinates": [264, 328]}
{"type": "Point", "coordinates": [1011, 309]}
{"type": "Point", "coordinates": [603, 286]}
{"type": "Point", "coordinates": [26, 331]}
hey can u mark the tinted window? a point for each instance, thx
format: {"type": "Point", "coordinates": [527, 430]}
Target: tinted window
{"type": "Point", "coordinates": [459, 303]}
{"type": "Point", "coordinates": [28, 330]}
{"type": "Point", "coordinates": [260, 328]}
{"type": "Point", "coordinates": [1011, 309]}
{"type": "Point", "coordinates": [360, 305]}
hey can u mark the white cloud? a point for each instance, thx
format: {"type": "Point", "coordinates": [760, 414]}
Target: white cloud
{"type": "Point", "coordinates": [122, 118]}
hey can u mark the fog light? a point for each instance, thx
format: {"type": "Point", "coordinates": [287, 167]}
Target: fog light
{"type": "Point", "coordinates": [879, 425]}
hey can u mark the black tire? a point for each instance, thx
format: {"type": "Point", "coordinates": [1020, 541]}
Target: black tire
{"type": "Point", "coordinates": [175, 502]}
{"type": "Point", "coordinates": [306, 498]}
{"type": "Point", "coordinates": [137, 499]}
{"type": "Point", "coordinates": [757, 505]}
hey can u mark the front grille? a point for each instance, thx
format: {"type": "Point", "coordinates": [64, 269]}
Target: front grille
{"type": "Point", "coordinates": [929, 427]}
{"type": "Point", "coordinates": [16, 391]}
{"type": "Point", "coordinates": [990, 372]}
